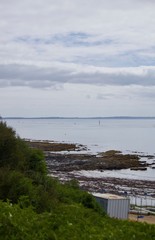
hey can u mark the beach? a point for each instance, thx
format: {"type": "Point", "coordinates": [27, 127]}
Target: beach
{"type": "Point", "coordinates": [67, 162]}
{"type": "Point", "coordinates": [114, 156]}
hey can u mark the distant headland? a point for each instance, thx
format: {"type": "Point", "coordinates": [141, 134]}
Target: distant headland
{"type": "Point", "coordinates": [108, 117]}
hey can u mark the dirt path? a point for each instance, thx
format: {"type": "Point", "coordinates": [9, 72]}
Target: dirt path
{"type": "Point", "coordinates": [148, 218]}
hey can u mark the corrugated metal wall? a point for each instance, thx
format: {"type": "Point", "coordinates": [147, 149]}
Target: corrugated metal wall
{"type": "Point", "coordinates": [117, 208]}
{"type": "Point", "coordinates": [103, 203]}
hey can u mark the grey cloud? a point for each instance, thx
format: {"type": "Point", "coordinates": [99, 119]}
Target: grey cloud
{"type": "Point", "coordinates": [114, 95]}
{"type": "Point", "coordinates": [144, 92]}
{"type": "Point", "coordinates": [128, 93]}
{"type": "Point", "coordinates": [88, 96]}
{"type": "Point", "coordinates": [105, 96]}
{"type": "Point", "coordinates": [31, 76]}
{"type": "Point", "coordinates": [71, 39]}
{"type": "Point", "coordinates": [42, 77]}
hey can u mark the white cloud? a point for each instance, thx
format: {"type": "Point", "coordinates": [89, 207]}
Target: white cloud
{"type": "Point", "coordinates": [92, 44]}
{"type": "Point", "coordinates": [128, 25]}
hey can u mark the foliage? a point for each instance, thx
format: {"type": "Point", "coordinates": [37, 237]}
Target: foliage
{"type": "Point", "coordinates": [36, 161]}
{"type": "Point", "coordinates": [67, 222]}
{"type": "Point", "coordinates": [8, 146]}
{"type": "Point", "coordinates": [15, 153]}
{"type": "Point", "coordinates": [71, 193]}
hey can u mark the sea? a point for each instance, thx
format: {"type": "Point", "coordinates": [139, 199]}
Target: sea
{"type": "Point", "coordinates": [129, 135]}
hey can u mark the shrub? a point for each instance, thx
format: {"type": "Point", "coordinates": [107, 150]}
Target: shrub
{"type": "Point", "coordinates": [15, 153]}
{"type": "Point", "coordinates": [36, 161]}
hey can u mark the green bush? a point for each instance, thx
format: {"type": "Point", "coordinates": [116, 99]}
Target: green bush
{"type": "Point", "coordinates": [15, 153]}
{"type": "Point", "coordinates": [71, 193]}
{"type": "Point", "coordinates": [8, 146]}
{"type": "Point", "coordinates": [36, 161]}
{"type": "Point", "coordinates": [67, 222]}
{"type": "Point", "coordinates": [15, 186]}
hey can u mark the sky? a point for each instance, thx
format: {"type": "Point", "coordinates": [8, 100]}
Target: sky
{"type": "Point", "coordinates": [77, 58]}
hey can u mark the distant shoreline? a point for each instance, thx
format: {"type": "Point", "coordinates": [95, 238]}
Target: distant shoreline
{"type": "Point", "coordinates": [99, 118]}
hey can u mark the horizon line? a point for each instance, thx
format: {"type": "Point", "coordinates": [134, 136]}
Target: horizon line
{"type": "Point", "coordinates": [97, 117]}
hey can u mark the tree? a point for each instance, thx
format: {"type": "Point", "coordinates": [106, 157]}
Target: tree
{"type": "Point", "coordinates": [15, 153]}
{"type": "Point", "coordinates": [8, 145]}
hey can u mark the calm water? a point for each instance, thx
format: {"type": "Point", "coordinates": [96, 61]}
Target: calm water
{"type": "Point", "coordinates": [124, 135]}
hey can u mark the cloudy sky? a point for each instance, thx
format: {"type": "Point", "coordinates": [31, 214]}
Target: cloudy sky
{"type": "Point", "coordinates": [77, 58]}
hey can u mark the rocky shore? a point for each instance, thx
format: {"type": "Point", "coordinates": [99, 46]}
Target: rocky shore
{"type": "Point", "coordinates": [111, 160]}
{"type": "Point", "coordinates": [65, 161]}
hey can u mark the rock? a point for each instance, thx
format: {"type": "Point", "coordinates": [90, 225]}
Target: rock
{"type": "Point", "coordinates": [138, 168]}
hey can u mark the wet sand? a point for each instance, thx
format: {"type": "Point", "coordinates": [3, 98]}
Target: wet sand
{"type": "Point", "coordinates": [146, 218]}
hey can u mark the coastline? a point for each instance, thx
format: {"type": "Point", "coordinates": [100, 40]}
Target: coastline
{"type": "Point", "coordinates": [72, 161]}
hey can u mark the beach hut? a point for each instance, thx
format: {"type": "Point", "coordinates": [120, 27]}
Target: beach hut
{"type": "Point", "coordinates": [115, 206]}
